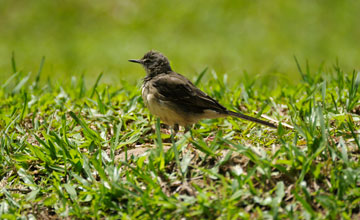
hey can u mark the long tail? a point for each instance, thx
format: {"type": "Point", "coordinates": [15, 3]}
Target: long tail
{"type": "Point", "coordinates": [249, 118]}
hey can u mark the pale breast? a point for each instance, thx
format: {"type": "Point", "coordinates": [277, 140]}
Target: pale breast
{"type": "Point", "coordinates": [163, 109]}
{"type": "Point", "coordinates": [169, 112]}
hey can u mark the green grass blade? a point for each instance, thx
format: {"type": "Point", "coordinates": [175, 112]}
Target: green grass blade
{"type": "Point", "coordinates": [95, 85]}
{"type": "Point", "coordinates": [24, 106]}
{"type": "Point", "coordinates": [37, 78]}
{"type": "Point", "coordinates": [21, 84]}
{"type": "Point", "coordinates": [201, 75]}
{"type": "Point", "coordinates": [13, 63]}
{"type": "Point", "coordinates": [87, 131]}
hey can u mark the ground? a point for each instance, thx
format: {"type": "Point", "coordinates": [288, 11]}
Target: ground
{"type": "Point", "coordinates": [68, 151]}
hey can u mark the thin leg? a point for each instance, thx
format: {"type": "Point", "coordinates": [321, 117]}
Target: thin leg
{"type": "Point", "coordinates": [176, 128]}
{"type": "Point", "coordinates": [173, 133]}
{"type": "Point", "coordinates": [176, 153]}
{"type": "Point", "coordinates": [188, 128]}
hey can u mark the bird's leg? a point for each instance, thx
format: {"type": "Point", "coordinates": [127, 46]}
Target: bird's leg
{"type": "Point", "coordinates": [176, 128]}
{"type": "Point", "coordinates": [188, 128]}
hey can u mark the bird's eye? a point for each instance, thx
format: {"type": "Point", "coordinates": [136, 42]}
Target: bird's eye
{"type": "Point", "coordinates": [146, 61]}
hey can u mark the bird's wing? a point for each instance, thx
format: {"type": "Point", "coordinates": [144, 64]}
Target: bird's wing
{"type": "Point", "coordinates": [179, 90]}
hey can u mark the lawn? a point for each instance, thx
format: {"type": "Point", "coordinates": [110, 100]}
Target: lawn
{"type": "Point", "coordinates": [69, 150]}
{"type": "Point", "coordinates": [233, 37]}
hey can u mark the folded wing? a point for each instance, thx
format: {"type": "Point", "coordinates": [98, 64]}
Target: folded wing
{"type": "Point", "coordinates": [177, 89]}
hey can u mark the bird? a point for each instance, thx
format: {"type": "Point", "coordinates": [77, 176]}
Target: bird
{"type": "Point", "coordinates": [175, 99]}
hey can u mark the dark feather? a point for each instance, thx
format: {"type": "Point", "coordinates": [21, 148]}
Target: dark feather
{"type": "Point", "coordinates": [177, 89]}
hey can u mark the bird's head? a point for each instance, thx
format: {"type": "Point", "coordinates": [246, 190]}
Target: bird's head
{"type": "Point", "coordinates": [154, 63]}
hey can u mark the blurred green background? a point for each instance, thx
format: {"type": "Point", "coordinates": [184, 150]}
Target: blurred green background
{"type": "Point", "coordinates": [259, 37]}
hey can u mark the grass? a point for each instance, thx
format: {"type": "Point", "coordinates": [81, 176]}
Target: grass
{"type": "Point", "coordinates": [78, 151]}
{"type": "Point", "coordinates": [92, 36]}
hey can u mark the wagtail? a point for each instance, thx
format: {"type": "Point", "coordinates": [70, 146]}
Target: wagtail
{"type": "Point", "coordinates": [175, 99]}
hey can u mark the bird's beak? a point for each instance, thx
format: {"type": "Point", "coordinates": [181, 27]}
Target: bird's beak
{"type": "Point", "coordinates": [136, 61]}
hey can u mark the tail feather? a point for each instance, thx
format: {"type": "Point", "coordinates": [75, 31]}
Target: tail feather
{"type": "Point", "coordinates": [249, 118]}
